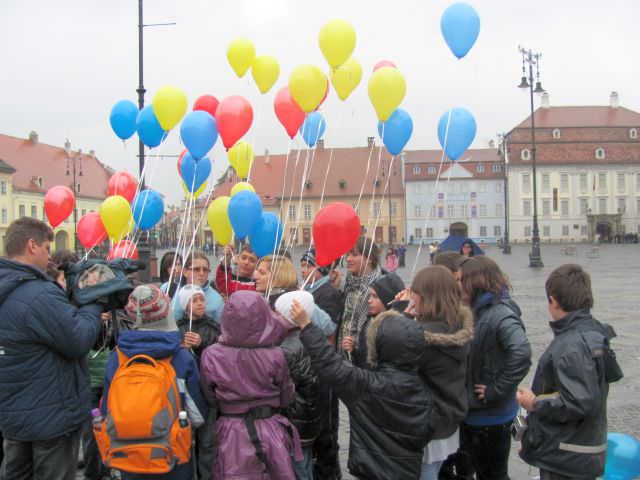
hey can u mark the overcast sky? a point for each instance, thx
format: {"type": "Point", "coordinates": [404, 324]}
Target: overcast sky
{"type": "Point", "coordinates": [65, 63]}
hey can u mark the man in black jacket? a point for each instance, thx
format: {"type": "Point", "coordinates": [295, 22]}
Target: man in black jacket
{"type": "Point", "coordinates": [567, 423]}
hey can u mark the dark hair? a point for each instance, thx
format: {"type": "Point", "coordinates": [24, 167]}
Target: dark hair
{"type": "Point", "coordinates": [167, 263]}
{"type": "Point", "coordinates": [440, 294]}
{"type": "Point", "coordinates": [247, 248]}
{"type": "Point", "coordinates": [21, 231]}
{"type": "Point", "coordinates": [480, 275]}
{"type": "Point", "coordinates": [365, 246]}
{"type": "Point", "coordinates": [52, 270]}
{"type": "Point", "coordinates": [467, 242]}
{"type": "Point", "coordinates": [570, 285]}
{"type": "Point", "coordinates": [448, 259]}
{"type": "Point", "coordinates": [195, 256]}
{"type": "Point", "coordinates": [61, 257]}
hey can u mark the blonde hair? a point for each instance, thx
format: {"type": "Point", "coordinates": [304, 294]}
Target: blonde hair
{"type": "Point", "coordinates": [283, 272]}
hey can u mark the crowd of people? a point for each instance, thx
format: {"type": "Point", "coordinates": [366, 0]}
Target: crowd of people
{"type": "Point", "coordinates": [239, 373]}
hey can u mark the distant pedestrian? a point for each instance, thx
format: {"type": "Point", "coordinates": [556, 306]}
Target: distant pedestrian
{"type": "Point", "coordinates": [391, 260]}
{"type": "Point", "coordinates": [466, 249]}
{"type": "Point", "coordinates": [402, 254]}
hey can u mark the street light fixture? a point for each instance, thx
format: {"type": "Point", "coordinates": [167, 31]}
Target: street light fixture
{"type": "Point", "coordinates": [532, 58]}
{"type": "Point", "coordinates": [74, 167]}
{"type": "Point", "coordinates": [506, 248]}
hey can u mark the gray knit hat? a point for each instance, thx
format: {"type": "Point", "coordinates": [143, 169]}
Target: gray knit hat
{"type": "Point", "coordinates": [150, 309]}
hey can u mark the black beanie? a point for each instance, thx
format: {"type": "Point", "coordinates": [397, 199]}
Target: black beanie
{"type": "Point", "coordinates": [387, 287]}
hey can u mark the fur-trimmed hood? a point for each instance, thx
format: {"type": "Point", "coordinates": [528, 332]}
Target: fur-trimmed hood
{"type": "Point", "coordinates": [435, 335]}
{"type": "Point", "coordinates": [395, 340]}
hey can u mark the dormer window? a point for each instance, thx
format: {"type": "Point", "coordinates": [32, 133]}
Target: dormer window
{"type": "Point", "coordinates": [342, 184]}
{"type": "Point", "coordinates": [416, 169]}
{"type": "Point", "coordinates": [308, 185]}
{"type": "Point", "coordinates": [600, 153]}
{"type": "Point", "coordinates": [633, 133]}
{"type": "Point", "coordinates": [432, 170]}
{"type": "Point", "coordinates": [376, 183]}
{"type": "Point", "coordinates": [480, 168]}
{"type": "Point", "coordinates": [555, 133]}
{"type": "Point", "coordinates": [525, 154]}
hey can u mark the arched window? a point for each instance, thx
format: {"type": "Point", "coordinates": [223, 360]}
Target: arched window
{"type": "Point", "coordinates": [525, 154]}
{"type": "Point", "coordinates": [633, 133]}
{"type": "Point", "coordinates": [600, 153]}
{"type": "Point", "coordinates": [556, 133]}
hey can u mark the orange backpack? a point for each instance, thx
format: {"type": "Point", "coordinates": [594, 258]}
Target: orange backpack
{"type": "Point", "coordinates": [141, 432]}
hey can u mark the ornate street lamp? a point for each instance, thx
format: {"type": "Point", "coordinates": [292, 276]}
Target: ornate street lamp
{"type": "Point", "coordinates": [74, 167]}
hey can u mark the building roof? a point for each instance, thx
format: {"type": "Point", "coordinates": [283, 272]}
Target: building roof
{"type": "Point", "coordinates": [6, 168]}
{"type": "Point", "coordinates": [578, 154]}
{"type": "Point", "coordinates": [599, 116]}
{"type": "Point", "coordinates": [436, 156]}
{"type": "Point", "coordinates": [478, 162]}
{"type": "Point", "coordinates": [32, 160]}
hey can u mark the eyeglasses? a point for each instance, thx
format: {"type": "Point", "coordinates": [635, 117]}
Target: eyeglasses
{"type": "Point", "coordinates": [200, 269]}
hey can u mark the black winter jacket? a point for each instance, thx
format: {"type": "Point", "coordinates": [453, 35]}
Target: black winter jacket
{"type": "Point", "coordinates": [304, 412]}
{"type": "Point", "coordinates": [328, 299]}
{"type": "Point", "coordinates": [567, 431]}
{"type": "Point", "coordinates": [44, 340]}
{"type": "Point", "coordinates": [389, 406]}
{"type": "Point", "coordinates": [444, 369]}
{"type": "Point", "coordinates": [500, 356]}
{"type": "Point", "coordinates": [206, 327]}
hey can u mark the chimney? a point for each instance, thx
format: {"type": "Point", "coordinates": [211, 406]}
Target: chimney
{"type": "Point", "coordinates": [545, 100]}
{"type": "Point", "coordinates": [33, 137]}
{"type": "Point", "coordinates": [320, 144]}
{"type": "Point", "coordinates": [614, 100]}
{"type": "Point", "coordinates": [92, 153]}
{"type": "Point", "coordinates": [370, 142]}
{"type": "Point", "coordinates": [267, 160]}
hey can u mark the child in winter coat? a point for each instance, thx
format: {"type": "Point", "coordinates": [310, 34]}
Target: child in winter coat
{"type": "Point", "coordinates": [246, 374]}
{"type": "Point", "coordinates": [228, 282]}
{"type": "Point", "coordinates": [391, 260]}
{"type": "Point", "coordinates": [198, 329]}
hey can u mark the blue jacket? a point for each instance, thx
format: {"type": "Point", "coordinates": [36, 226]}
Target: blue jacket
{"type": "Point", "coordinates": [158, 344]}
{"type": "Point", "coordinates": [44, 381]}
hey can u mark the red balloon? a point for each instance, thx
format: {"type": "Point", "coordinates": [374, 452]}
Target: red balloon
{"type": "Point", "coordinates": [180, 161]}
{"type": "Point", "coordinates": [58, 204]}
{"type": "Point", "coordinates": [208, 103]}
{"type": "Point", "coordinates": [233, 119]}
{"type": "Point", "coordinates": [326, 93]}
{"type": "Point", "coordinates": [91, 231]}
{"type": "Point", "coordinates": [384, 63]}
{"type": "Point", "coordinates": [123, 249]}
{"type": "Point", "coordinates": [123, 184]}
{"type": "Point", "coordinates": [336, 230]}
{"type": "Point", "coordinates": [288, 112]}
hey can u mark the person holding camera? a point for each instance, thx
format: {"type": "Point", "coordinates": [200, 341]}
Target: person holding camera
{"type": "Point", "coordinates": [45, 396]}
{"type": "Point", "coordinates": [566, 430]}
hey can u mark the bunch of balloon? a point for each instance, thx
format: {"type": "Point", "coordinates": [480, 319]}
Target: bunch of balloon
{"type": "Point", "coordinates": [456, 132]}
{"type": "Point", "coordinates": [123, 249]}
{"type": "Point", "coordinates": [91, 232]}
{"type": "Point", "coordinates": [336, 229]}
{"type": "Point", "coordinates": [623, 457]}
{"type": "Point", "coordinates": [194, 174]}
{"type": "Point", "coordinates": [234, 117]}
{"type": "Point", "coordinates": [396, 132]}
{"type": "Point", "coordinates": [115, 213]}
{"type": "Point", "coordinates": [241, 158]}
{"type": "Point", "coordinates": [266, 236]}
{"type": "Point", "coordinates": [147, 208]}
{"type": "Point", "coordinates": [313, 128]}
{"type": "Point", "coordinates": [308, 87]}
{"type": "Point", "coordinates": [59, 203]}
{"type": "Point", "coordinates": [218, 219]}
{"type": "Point", "coordinates": [123, 184]}
{"type": "Point", "coordinates": [289, 113]}
{"type": "Point", "coordinates": [460, 26]}
{"type": "Point", "coordinates": [245, 211]}
{"type": "Point", "coordinates": [387, 88]}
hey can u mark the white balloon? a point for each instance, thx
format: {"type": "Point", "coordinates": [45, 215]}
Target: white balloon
{"type": "Point", "coordinates": [285, 301]}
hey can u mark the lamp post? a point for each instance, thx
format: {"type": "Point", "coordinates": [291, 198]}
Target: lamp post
{"type": "Point", "coordinates": [74, 167]}
{"type": "Point", "coordinates": [506, 248]}
{"type": "Point", "coordinates": [532, 58]}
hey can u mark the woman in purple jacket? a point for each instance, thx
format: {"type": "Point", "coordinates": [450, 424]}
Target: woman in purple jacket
{"type": "Point", "coordinates": [246, 374]}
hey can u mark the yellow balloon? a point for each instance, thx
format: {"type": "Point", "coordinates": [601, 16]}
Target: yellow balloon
{"type": "Point", "coordinates": [346, 78]}
{"type": "Point", "coordinates": [241, 186]}
{"type": "Point", "coordinates": [386, 91]}
{"type": "Point", "coordinates": [218, 218]}
{"type": "Point", "coordinates": [169, 105]}
{"type": "Point", "coordinates": [195, 194]}
{"type": "Point", "coordinates": [265, 71]}
{"type": "Point", "coordinates": [241, 158]}
{"type": "Point", "coordinates": [307, 85]}
{"type": "Point", "coordinates": [240, 54]}
{"type": "Point", "coordinates": [115, 213]}
{"type": "Point", "coordinates": [337, 41]}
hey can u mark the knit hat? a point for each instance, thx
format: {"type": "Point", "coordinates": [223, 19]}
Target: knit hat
{"type": "Point", "coordinates": [310, 257]}
{"type": "Point", "coordinates": [150, 309]}
{"type": "Point", "coordinates": [387, 287]}
{"type": "Point", "coordinates": [187, 292]}
{"type": "Point", "coordinates": [285, 301]}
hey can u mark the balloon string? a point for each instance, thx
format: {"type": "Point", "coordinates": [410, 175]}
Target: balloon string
{"type": "Point", "coordinates": [365, 176]}
{"type": "Point", "coordinates": [373, 190]}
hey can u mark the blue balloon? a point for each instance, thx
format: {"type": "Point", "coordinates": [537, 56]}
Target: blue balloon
{"type": "Point", "coordinates": [149, 130]}
{"type": "Point", "coordinates": [396, 131]}
{"type": "Point", "coordinates": [199, 133]}
{"type": "Point", "coordinates": [623, 457]}
{"type": "Point", "coordinates": [460, 25]}
{"type": "Point", "coordinates": [194, 172]}
{"type": "Point", "coordinates": [147, 209]}
{"type": "Point", "coordinates": [245, 211]}
{"type": "Point", "coordinates": [456, 131]}
{"type": "Point", "coordinates": [313, 128]}
{"type": "Point", "coordinates": [123, 119]}
{"type": "Point", "coordinates": [267, 234]}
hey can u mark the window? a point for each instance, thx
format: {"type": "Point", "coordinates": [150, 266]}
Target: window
{"type": "Point", "coordinates": [525, 154]}
{"type": "Point", "coordinates": [497, 231]}
{"type": "Point", "coordinates": [546, 183]}
{"type": "Point", "coordinates": [432, 211]}
{"type": "Point", "coordinates": [564, 207]}
{"type": "Point", "coordinates": [583, 230]}
{"type": "Point", "coordinates": [464, 210]}
{"type": "Point", "coordinates": [44, 215]}
{"type": "Point", "coordinates": [84, 212]}
{"type": "Point", "coordinates": [430, 189]}
{"type": "Point", "coordinates": [483, 231]}
{"type": "Point", "coordinates": [432, 170]}
{"type": "Point", "coordinates": [34, 211]}
{"type": "Point", "coordinates": [583, 183]}
{"type": "Point", "coordinates": [429, 232]}
{"type": "Point", "coordinates": [416, 211]}
{"type": "Point", "coordinates": [498, 188]}
{"type": "Point", "coordinates": [292, 212]}
{"type": "Point", "coordinates": [481, 187]}
{"type": "Point", "coordinates": [602, 205]}
{"type": "Point", "coordinates": [416, 188]}
{"type": "Point", "coordinates": [483, 210]}
{"type": "Point", "coordinates": [450, 212]}
{"type": "Point", "coordinates": [3, 187]}
{"type": "Point", "coordinates": [621, 182]}
{"type": "Point", "coordinates": [393, 211]}
{"type": "Point", "coordinates": [555, 133]}
{"type": "Point", "coordinates": [565, 230]}
{"type": "Point", "coordinates": [4, 216]}
{"type": "Point", "coordinates": [564, 183]}
{"type": "Point", "coordinates": [622, 205]}
{"type": "Point", "coordinates": [480, 168]}
{"type": "Point", "coordinates": [21, 211]}
{"type": "Point", "coordinates": [376, 209]}
{"type": "Point", "coordinates": [584, 206]}
{"type": "Point", "coordinates": [307, 212]}
{"type": "Point", "coordinates": [496, 168]}
{"type": "Point", "coordinates": [546, 207]}
{"type": "Point", "coordinates": [633, 133]}
{"type": "Point", "coordinates": [600, 153]}
{"type": "Point", "coordinates": [637, 182]}
{"type": "Point", "coordinates": [440, 212]}
{"type": "Point", "coordinates": [526, 183]}
{"type": "Point", "coordinates": [342, 184]}
{"type": "Point", "coordinates": [527, 231]}
{"type": "Point", "coordinates": [546, 231]}
{"type": "Point", "coordinates": [602, 183]}
{"type": "Point", "coordinates": [464, 188]}
{"type": "Point", "coordinates": [526, 207]}
{"type": "Point", "coordinates": [499, 210]}
{"type": "Point", "coordinates": [418, 233]}
{"type": "Point", "coordinates": [417, 169]}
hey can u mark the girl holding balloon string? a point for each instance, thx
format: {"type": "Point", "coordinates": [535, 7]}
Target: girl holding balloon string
{"type": "Point", "coordinates": [196, 271]}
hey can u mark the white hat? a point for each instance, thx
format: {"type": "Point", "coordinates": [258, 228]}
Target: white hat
{"type": "Point", "coordinates": [285, 301]}
{"type": "Point", "coordinates": [187, 293]}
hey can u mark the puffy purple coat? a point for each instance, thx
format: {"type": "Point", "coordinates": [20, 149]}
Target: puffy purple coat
{"type": "Point", "coordinates": [244, 370]}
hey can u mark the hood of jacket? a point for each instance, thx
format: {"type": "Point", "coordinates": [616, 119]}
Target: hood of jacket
{"type": "Point", "coordinates": [437, 334]}
{"type": "Point", "coordinates": [487, 299]}
{"type": "Point", "coordinates": [248, 321]}
{"type": "Point", "coordinates": [155, 343]}
{"type": "Point", "coordinates": [395, 340]}
{"type": "Point", "coordinates": [13, 274]}
{"type": "Point", "coordinates": [583, 321]}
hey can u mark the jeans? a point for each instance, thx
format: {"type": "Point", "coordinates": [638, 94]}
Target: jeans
{"type": "Point", "coordinates": [326, 447]}
{"type": "Point", "coordinates": [94, 469]}
{"type": "Point", "coordinates": [430, 470]}
{"type": "Point", "coordinates": [488, 447]}
{"type": "Point", "coordinates": [53, 459]}
{"type": "Point", "coordinates": [304, 468]}
{"type": "Point", "coordinates": [547, 475]}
